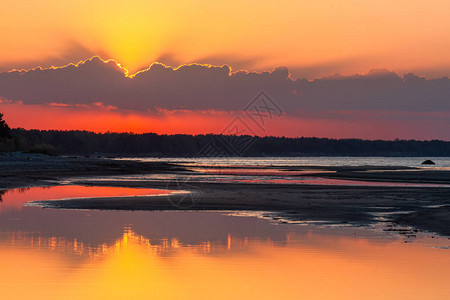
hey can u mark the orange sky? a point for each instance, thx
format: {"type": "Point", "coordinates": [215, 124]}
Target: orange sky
{"type": "Point", "coordinates": [312, 38]}
{"type": "Point", "coordinates": [365, 125]}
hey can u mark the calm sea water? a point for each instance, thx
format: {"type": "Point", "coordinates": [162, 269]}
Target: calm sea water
{"type": "Point", "coordinates": [272, 170]}
{"type": "Point", "coordinates": [441, 162]}
{"type": "Point", "coordinates": [83, 254]}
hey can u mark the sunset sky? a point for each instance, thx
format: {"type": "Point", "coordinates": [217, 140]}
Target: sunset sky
{"type": "Point", "coordinates": [312, 41]}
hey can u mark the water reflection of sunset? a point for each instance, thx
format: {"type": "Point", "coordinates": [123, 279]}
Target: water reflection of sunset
{"type": "Point", "coordinates": [15, 198]}
{"type": "Point", "coordinates": [314, 266]}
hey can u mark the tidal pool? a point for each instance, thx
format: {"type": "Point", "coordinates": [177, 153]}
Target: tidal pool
{"type": "Point", "coordinates": [88, 254]}
{"type": "Point", "coordinates": [16, 198]}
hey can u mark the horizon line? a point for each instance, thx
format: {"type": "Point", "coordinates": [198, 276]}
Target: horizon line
{"type": "Point", "coordinates": [220, 134]}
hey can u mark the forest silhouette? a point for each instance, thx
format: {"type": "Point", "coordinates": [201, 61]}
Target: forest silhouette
{"type": "Point", "coordinates": [152, 144]}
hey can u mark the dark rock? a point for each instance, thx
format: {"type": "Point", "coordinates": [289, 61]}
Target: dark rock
{"type": "Point", "coordinates": [428, 162]}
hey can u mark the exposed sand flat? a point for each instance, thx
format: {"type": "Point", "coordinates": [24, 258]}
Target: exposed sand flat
{"type": "Point", "coordinates": [354, 205]}
{"type": "Point", "coordinates": [22, 170]}
{"type": "Point", "coordinates": [427, 208]}
{"type": "Point", "coordinates": [432, 219]}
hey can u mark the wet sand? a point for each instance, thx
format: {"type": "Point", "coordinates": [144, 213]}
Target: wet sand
{"type": "Point", "coordinates": [422, 208]}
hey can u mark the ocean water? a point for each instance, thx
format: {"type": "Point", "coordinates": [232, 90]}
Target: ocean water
{"type": "Point", "coordinates": [441, 162]}
{"type": "Point", "coordinates": [276, 170]}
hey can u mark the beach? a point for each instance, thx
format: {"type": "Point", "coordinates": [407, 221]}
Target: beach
{"type": "Point", "coordinates": [403, 208]}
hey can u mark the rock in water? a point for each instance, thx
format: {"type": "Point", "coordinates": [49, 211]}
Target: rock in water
{"type": "Point", "coordinates": [428, 162]}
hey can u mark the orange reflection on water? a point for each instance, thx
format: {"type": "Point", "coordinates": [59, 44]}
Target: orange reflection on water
{"type": "Point", "coordinates": [15, 198]}
{"type": "Point", "coordinates": [314, 266]}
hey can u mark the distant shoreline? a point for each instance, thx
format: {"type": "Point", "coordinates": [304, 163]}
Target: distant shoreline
{"type": "Point", "coordinates": [185, 145]}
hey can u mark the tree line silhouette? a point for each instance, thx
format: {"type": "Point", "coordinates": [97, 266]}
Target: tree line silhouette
{"type": "Point", "coordinates": [152, 144]}
{"type": "Point", "coordinates": [5, 131]}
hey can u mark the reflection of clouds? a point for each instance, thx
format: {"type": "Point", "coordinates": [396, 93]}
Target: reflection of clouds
{"type": "Point", "coordinates": [316, 239]}
{"type": "Point", "coordinates": [96, 227]}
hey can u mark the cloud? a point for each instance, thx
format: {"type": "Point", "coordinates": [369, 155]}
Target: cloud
{"type": "Point", "coordinates": [209, 87]}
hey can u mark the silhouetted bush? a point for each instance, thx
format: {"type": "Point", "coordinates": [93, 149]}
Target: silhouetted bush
{"type": "Point", "coordinates": [43, 149]}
